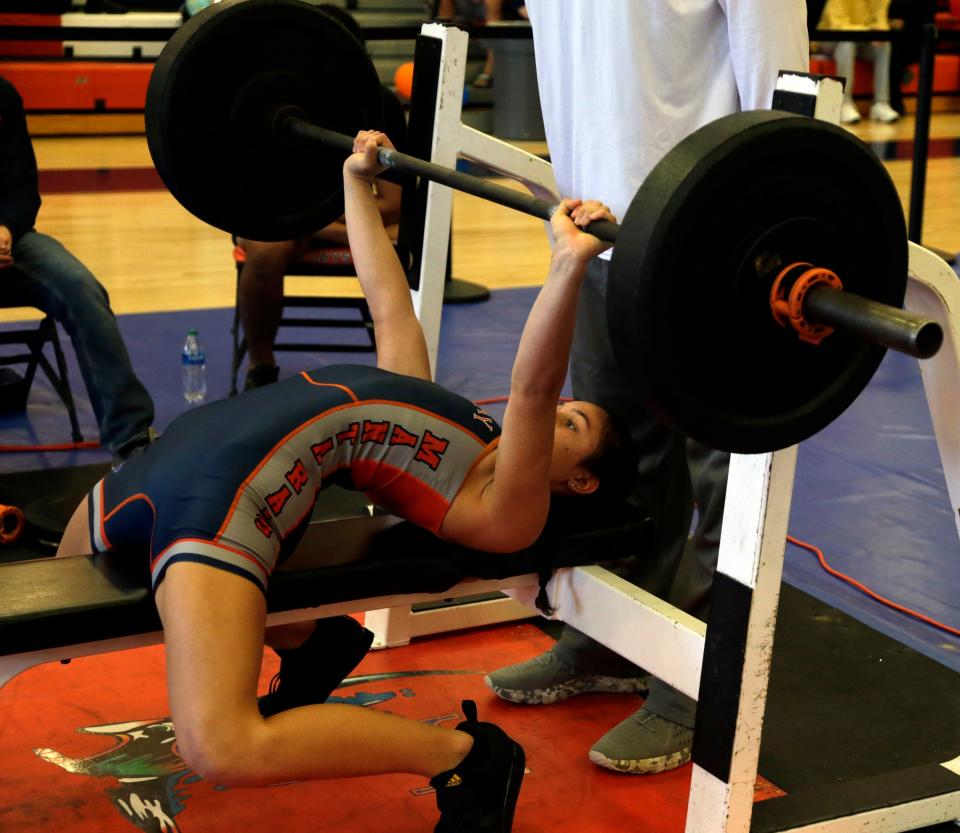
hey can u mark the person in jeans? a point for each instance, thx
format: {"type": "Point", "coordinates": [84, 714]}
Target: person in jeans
{"type": "Point", "coordinates": [37, 271]}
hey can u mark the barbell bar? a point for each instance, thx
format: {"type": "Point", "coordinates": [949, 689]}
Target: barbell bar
{"type": "Point", "coordinates": [890, 326]}
{"type": "Point", "coordinates": [291, 122]}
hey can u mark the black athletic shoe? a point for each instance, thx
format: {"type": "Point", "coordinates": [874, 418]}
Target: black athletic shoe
{"type": "Point", "coordinates": [310, 673]}
{"type": "Point", "coordinates": [479, 794]}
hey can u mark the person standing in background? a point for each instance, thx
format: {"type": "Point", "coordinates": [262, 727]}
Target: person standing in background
{"type": "Point", "coordinates": [621, 83]}
{"type": "Point", "coordinates": [863, 15]}
{"type": "Point", "coordinates": [910, 16]}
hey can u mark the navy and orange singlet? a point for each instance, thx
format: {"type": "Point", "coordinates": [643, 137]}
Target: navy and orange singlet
{"type": "Point", "coordinates": [233, 484]}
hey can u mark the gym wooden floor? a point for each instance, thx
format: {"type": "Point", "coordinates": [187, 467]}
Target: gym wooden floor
{"type": "Point", "coordinates": [154, 256]}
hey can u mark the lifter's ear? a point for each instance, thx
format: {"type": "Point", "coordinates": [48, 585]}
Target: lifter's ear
{"type": "Point", "coordinates": [583, 482]}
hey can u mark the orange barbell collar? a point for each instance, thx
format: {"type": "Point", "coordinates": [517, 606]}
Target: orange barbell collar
{"type": "Point", "coordinates": [787, 298]}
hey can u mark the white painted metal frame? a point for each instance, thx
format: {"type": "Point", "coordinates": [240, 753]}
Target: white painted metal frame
{"type": "Point", "coordinates": [636, 624]}
{"type": "Point", "coordinates": [755, 521]}
{"type": "Point", "coordinates": [428, 299]}
{"type": "Point", "coordinates": [913, 815]}
{"type": "Point", "coordinates": [451, 140]}
{"type": "Point", "coordinates": [752, 543]}
{"type": "Point", "coordinates": [934, 291]}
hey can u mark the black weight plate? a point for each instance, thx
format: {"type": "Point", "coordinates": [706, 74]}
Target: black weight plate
{"type": "Point", "coordinates": [688, 302]}
{"type": "Point", "coordinates": [213, 85]}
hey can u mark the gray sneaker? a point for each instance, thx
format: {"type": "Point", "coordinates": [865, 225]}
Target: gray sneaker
{"type": "Point", "coordinates": [548, 679]}
{"type": "Point", "coordinates": [643, 744]}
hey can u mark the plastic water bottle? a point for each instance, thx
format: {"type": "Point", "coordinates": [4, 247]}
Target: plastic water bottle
{"type": "Point", "coordinates": [194, 370]}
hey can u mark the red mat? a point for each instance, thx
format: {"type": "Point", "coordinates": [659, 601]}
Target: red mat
{"type": "Point", "coordinates": [87, 748]}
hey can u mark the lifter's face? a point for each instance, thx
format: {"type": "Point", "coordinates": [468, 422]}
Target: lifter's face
{"type": "Point", "coordinates": [577, 434]}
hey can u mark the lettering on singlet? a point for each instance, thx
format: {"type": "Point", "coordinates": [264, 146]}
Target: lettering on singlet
{"type": "Point", "coordinates": [374, 432]}
{"type": "Point", "coordinates": [262, 523]}
{"type": "Point", "coordinates": [429, 451]}
{"type": "Point", "coordinates": [350, 435]}
{"type": "Point", "coordinates": [278, 499]}
{"type": "Point", "coordinates": [297, 477]}
{"type": "Point", "coordinates": [320, 449]}
{"type": "Point", "coordinates": [485, 418]}
{"type": "Point", "coordinates": [400, 436]}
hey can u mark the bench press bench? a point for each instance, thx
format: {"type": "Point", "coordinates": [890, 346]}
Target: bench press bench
{"type": "Point", "coordinates": [350, 560]}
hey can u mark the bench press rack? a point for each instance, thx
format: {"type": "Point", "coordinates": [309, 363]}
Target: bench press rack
{"type": "Point", "coordinates": [739, 637]}
{"type": "Point", "coordinates": [736, 645]}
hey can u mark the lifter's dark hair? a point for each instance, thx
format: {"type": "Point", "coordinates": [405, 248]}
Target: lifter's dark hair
{"type": "Point", "coordinates": [614, 463]}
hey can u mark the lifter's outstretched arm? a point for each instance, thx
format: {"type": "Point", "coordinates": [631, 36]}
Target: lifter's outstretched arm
{"type": "Point", "coordinates": [401, 346]}
{"type": "Point", "coordinates": [507, 510]}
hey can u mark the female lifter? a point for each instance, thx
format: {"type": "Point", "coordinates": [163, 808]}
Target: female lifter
{"type": "Point", "coordinates": [222, 496]}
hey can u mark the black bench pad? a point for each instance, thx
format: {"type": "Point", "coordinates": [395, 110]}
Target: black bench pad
{"type": "Point", "coordinates": [50, 603]}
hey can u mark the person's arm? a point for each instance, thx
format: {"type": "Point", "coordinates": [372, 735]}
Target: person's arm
{"type": "Point", "coordinates": [505, 510]}
{"type": "Point", "coordinates": [765, 37]}
{"type": "Point", "coordinates": [388, 194]}
{"type": "Point", "coordinates": [19, 193]}
{"type": "Point", "coordinates": [387, 198]}
{"type": "Point", "coordinates": [401, 346]}
{"type": "Point", "coordinates": [6, 247]}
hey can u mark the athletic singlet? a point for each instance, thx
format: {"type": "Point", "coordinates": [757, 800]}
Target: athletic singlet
{"type": "Point", "coordinates": [234, 483]}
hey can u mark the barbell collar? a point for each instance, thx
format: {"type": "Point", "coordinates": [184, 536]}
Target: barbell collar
{"type": "Point", "coordinates": [883, 324]}
{"type": "Point", "coordinates": [290, 125]}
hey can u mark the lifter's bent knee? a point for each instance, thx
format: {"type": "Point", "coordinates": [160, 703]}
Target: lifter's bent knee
{"type": "Point", "coordinates": [223, 751]}
{"type": "Point", "coordinates": [268, 259]}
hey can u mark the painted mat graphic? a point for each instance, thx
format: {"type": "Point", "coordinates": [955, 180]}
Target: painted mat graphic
{"type": "Point", "coordinates": [150, 785]}
{"type": "Point", "coordinates": [126, 751]}
{"type": "Point", "coordinates": [146, 780]}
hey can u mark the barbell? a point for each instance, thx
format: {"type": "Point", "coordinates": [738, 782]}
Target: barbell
{"type": "Point", "coordinates": [758, 274]}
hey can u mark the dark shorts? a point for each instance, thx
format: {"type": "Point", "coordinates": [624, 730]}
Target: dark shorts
{"type": "Point", "coordinates": [173, 522]}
